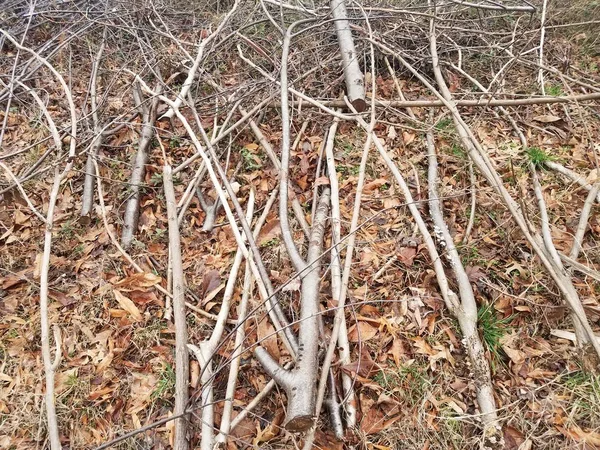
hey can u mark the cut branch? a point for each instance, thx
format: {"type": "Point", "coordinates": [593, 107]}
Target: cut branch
{"type": "Point", "coordinates": [179, 314]}
{"type": "Point", "coordinates": [355, 85]}
{"type": "Point", "coordinates": [206, 351]}
{"type": "Point", "coordinates": [132, 208]}
{"type": "Point", "coordinates": [483, 102]}
{"type": "Point", "coordinates": [87, 201]}
{"type": "Point", "coordinates": [466, 313]}
{"type": "Point", "coordinates": [299, 383]}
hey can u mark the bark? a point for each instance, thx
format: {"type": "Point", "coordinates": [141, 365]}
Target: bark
{"type": "Point", "coordinates": [87, 201]}
{"type": "Point", "coordinates": [179, 314]}
{"type": "Point", "coordinates": [466, 312]}
{"type": "Point", "coordinates": [355, 83]}
{"type": "Point", "coordinates": [431, 103]}
{"type": "Point", "coordinates": [132, 208]}
{"type": "Point", "coordinates": [299, 383]}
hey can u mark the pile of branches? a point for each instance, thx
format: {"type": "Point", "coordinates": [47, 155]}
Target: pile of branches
{"type": "Point", "coordinates": [211, 72]}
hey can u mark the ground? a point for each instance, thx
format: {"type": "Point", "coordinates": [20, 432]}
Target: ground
{"type": "Point", "coordinates": [413, 380]}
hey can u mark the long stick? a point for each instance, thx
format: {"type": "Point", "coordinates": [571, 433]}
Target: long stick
{"type": "Point", "coordinates": [181, 335]}
{"type": "Point", "coordinates": [484, 102]}
{"type": "Point", "coordinates": [240, 335]}
{"type": "Point", "coordinates": [206, 350]}
{"type": "Point", "coordinates": [87, 198]}
{"type": "Point", "coordinates": [466, 314]}
{"type": "Point", "coordinates": [132, 208]}
{"type": "Point", "coordinates": [50, 366]}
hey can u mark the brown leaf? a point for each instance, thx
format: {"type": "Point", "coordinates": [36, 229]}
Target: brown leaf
{"type": "Point", "coordinates": [322, 181]}
{"type": "Point", "coordinates": [423, 347]}
{"type": "Point", "coordinates": [61, 298]}
{"type": "Point", "coordinates": [373, 421]}
{"type": "Point", "coordinates": [513, 438]}
{"type": "Point", "coordinates": [408, 137]}
{"type": "Point", "coordinates": [397, 351]}
{"type": "Point", "coordinates": [363, 366]}
{"type": "Point", "coordinates": [127, 305]}
{"type": "Point", "coordinates": [406, 255]}
{"type": "Point", "coordinates": [590, 438]}
{"type": "Point", "coordinates": [210, 282]}
{"type": "Point", "coordinates": [304, 164]}
{"type": "Point", "coordinates": [270, 231]}
{"type": "Point", "coordinates": [271, 430]}
{"type": "Point", "coordinates": [303, 182]}
{"type": "Point", "coordinates": [139, 282]}
{"type": "Point", "coordinates": [143, 297]}
{"type": "Point", "coordinates": [362, 331]}
{"type": "Point", "coordinates": [244, 430]}
{"type": "Point", "coordinates": [475, 273]}
{"type": "Point", "coordinates": [268, 338]}
{"type": "Point", "coordinates": [212, 294]}
{"type": "Point", "coordinates": [546, 118]}
{"type": "Point", "coordinates": [375, 184]}
{"type": "Point", "coordinates": [326, 441]}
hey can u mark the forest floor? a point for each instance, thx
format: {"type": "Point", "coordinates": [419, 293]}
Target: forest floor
{"type": "Point", "coordinates": [412, 378]}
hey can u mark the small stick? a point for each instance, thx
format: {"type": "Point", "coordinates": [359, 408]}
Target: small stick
{"type": "Point", "coordinates": [471, 222]}
{"type": "Point", "coordinates": [583, 222]}
{"type": "Point", "coordinates": [571, 175]}
{"type": "Point", "coordinates": [542, 36]}
{"type": "Point", "coordinates": [87, 198]}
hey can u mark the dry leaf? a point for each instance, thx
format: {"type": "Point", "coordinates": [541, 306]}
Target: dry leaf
{"type": "Point", "coordinates": [362, 331]}
{"type": "Point", "coordinates": [593, 176]}
{"type": "Point", "coordinates": [408, 137]}
{"type": "Point", "coordinates": [322, 181]}
{"type": "Point", "coordinates": [270, 231]}
{"type": "Point", "coordinates": [392, 133]}
{"type": "Point", "coordinates": [128, 305]}
{"type": "Point", "coordinates": [363, 366]}
{"type": "Point", "coordinates": [267, 338]}
{"type": "Point", "coordinates": [139, 282]}
{"type": "Point", "coordinates": [293, 285]}
{"type": "Point", "coordinates": [546, 118]}
{"type": "Point", "coordinates": [591, 438]}
{"type": "Point", "coordinates": [513, 438]}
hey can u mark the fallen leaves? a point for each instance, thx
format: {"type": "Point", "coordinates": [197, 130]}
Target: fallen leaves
{"type": "Point", "coordinates": [361, 332]}
{"type": "Point", "coordinates": [126, 304]}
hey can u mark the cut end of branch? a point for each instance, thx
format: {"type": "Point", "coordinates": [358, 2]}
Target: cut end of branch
{"type": "Point", "coordinates": [300, 424]}
{"type": "Point", "coordinates": [360, 105]}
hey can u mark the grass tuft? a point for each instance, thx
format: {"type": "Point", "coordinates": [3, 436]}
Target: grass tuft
{"type": "Point", "coordinates": [537, 156]}
{"type": "Point", "coordinates": [493, 329]}
{"type": "Point", "coordinates": [166, 383]}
